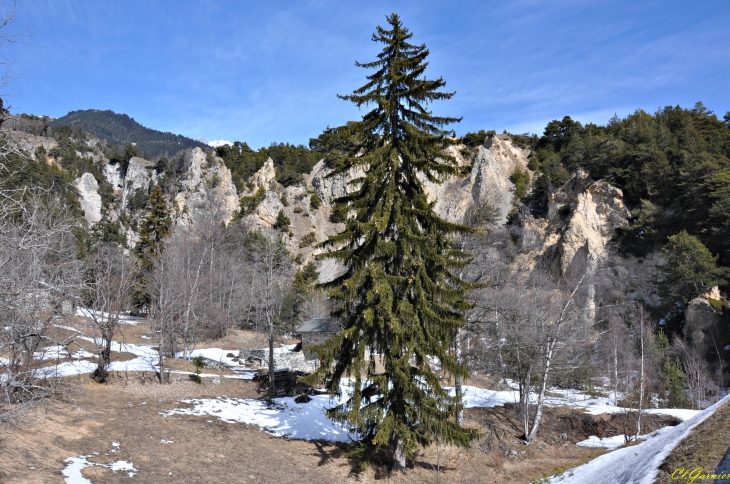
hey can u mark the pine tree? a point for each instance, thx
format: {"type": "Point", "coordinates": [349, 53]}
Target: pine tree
{"type": "Point", "coordinates": [691, 269]}
{"type": "Point", "coordinates": [399, 297]}
{"type": "Point", "coordinates": [153, 229]}
{"type": "Point", "coordinates": [282, 221]}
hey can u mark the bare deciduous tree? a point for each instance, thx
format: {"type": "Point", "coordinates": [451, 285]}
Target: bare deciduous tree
{"type": "Point", "coordinates": [273, 267]}
{"type": "Point", "coordinates": [166, 297]}
{"type": "Point", "coordinates": [38, 269]}
{"type": "Point", "coordinates": [109, 276]}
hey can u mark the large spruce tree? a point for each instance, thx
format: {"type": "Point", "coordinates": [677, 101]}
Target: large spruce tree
{"type": "Point", "coordinates": [154, 227]}
{"type": "Point", "coordinates": [399, 298]}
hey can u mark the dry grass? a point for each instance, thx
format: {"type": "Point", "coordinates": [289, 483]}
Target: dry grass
{"type": "Point", "coordinates": [704, 447]}
{"type": "Point", "coordinates": [128, 410]}
{"type": "Point", "coordinates": [204, 450]}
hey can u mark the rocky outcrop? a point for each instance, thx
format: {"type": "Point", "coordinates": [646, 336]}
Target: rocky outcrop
{"type": "Point", "coordinates": [89, 197]}
{"type": "Point", "coordinates": [263, 178]}
{"type": "Point", "coordinates": [488, 181]}
{"type": "Point", "coordinates": [140, 173]}
{"type": "Point", "coordinates": [207, 192]}
{"type": "Point", "coordinates": [329, 188]}
{"type": "Point", "coordinates": [702, 325]}
{"type": "Point", "coordinates": [595, 214]}
{"type": "Point", "coordinates": [581, 219]}
{"type": "Point", "coordinates": [28, 143]}
{"type": "Point", "coordinates": [269, 209]}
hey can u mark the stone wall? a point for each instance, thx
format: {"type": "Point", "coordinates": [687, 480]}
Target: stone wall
{"type": "Point", "coordinates": [293, 360]}
{"type": "Point", "coordinates": [312, 339]}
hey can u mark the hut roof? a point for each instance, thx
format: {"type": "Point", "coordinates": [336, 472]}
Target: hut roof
{"type": "Point", "coordinates": [319, 325]}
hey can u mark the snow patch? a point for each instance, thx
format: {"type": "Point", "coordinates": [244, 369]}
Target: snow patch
{"type": "Point", "coordinates": [285, 418]}
{"type": "Point", "coordinates": [72, 471]}
{"type": "Point", "coordinates": [611, 443]}
{"type": "Point", "coordinates": [104, 317]}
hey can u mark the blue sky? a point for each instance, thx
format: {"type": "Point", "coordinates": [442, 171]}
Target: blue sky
{"type": "Point", "coordinates": [269, 71]}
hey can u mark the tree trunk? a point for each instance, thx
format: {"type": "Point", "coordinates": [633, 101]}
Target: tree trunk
{"type": "Point", "coordinates": [399, 458]}
{"type": "Point", "coordinates": [272, 383]}
{"type": "Point", "coordinates": [101, 372]}
{"type": "Point", "coordinates": [162, 357]}
{"type": "Point", "coordinates": [541, 396]}
{"type": "Point", "coordinates": [457, 382]}
{"type": "Point", "coordinates": [615, 371]}
{"type": "Point", "coordinates": [641, 379]}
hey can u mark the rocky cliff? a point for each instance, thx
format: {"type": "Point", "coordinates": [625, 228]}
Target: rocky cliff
{"type": "Point", "coordinates": [581, 218]}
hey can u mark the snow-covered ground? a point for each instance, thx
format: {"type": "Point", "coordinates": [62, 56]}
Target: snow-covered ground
{"type": "Point", "coordinates": [307, 421]}
{"type": "Point", "coordinates": [59, 352]}
{"type": "Point", "coordinates": [285, 418]}
{"type": "Point", "coordinates": [146, 359]}
{"type": "Point", "coordinates": [74, 466]}
{"type": "Point", "coordinates": [480, 397]}
{"type": "Point", "coordinates": [103, 317]}
{"type": "Point", "coordinates": [639, 463]}
{"type": "Point", "coordinates": [610, 443]}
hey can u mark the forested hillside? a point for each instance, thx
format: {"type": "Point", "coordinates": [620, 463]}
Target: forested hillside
{"type": "Point", "coordinates": [290, 161]}
{"type": "Point", "coordinates": [569, 247]}
{"type": "Point", "coordinates": [673, 167]}
{"type": "Point", "coordinates": [120, 129]}
{"type": "Point", "coordinates": [674, 170]}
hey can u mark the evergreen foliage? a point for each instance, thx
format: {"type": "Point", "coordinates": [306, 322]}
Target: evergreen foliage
{"type": "Point", "coordinates": [399, 296]}
{"type": "Point", "coordinates": [521, 179]}
{"type": "Point", "coordinates": [120, 129]}
{"type": "Point", "coordinates": [690, 270]}
{"type": "Point", "coordinates": [673, 168]}
{"type": "Point", "coordinates": [106, 231]}
{"type": "Point", "coordinates": [305, 278]}
{"type": "Point", "coordinates": [290, 161]}
{"type": "Point", "coordinates": [153, 229]}
{"type": "Point", "coordinates": [282, 221]}
{"type": "Point", "coordinates": [334, 144]}
{"type": "Point", "coordinates": [473, 140]}
{"type": "Point", "coordinates": [672, 393]}
{"type": "Point", "coordinates": [314, 201]}
{"type": "Point", "coordinates": [250, 203]}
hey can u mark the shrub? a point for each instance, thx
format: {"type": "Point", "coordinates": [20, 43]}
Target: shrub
{"type": "Point", "coordinates": [308, 240]}
{"type": "Point", "coordinates": [282, 221]}
{"type": "Point", "coordinates": [249, 204]}
{"type": "Point", "coordinates": [314, 201]}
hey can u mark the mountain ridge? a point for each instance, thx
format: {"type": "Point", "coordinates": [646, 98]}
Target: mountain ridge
{"type": "Point", "coordinates": [122, 129]}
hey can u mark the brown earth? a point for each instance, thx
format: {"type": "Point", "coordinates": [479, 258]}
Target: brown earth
{"type": "Point", "coordinates": [205, 449]}
{"type": "Point", "coordinates": [128, 409]}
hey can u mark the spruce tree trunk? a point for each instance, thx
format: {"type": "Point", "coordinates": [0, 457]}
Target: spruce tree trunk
{"type": "Point", "coordinates": [399, 458]}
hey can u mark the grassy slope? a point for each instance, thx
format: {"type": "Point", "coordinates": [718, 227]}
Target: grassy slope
{"type": "Point", "coordinates": [704, 447]}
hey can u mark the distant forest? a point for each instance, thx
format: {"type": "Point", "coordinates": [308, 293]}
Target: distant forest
{"type": "Point", "coordinates": [120, 129]}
